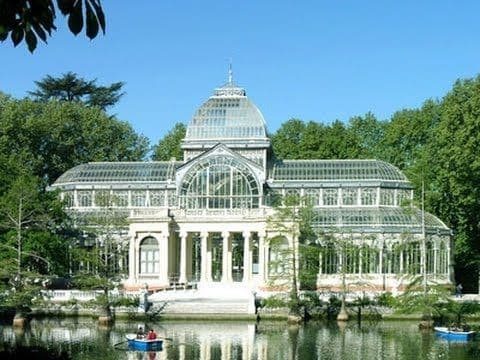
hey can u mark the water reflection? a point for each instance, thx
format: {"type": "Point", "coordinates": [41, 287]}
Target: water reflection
{"type": "Point", "coordinates": [83, 339]}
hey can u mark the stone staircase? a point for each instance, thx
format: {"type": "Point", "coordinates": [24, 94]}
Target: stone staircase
{"type": "Point", "coordinates": [219, 299]}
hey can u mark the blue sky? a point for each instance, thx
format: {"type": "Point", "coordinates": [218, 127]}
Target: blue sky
{"type": "Point", "coordinates": [312, 60]}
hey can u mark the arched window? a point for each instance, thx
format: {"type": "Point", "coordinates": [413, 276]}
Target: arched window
{"type": "Point", "coordinates": [149, 256]}
{"type": "Point", "coordinates": [430, 257]}
{"type": "Point", "coordinates": [351, 257]}
{"type": "Point", "coordinates": [329, 256]}
{"type": "Point", "coordinates": [443, 262]}
{"type": "Point", "coordinates": [219, 182]}
{"type": "Point", "coordinates": [395, 257]}
{"type": "Point", "coordinates": [369, 256]}
{"type": "Point", "coordinates": [412, 258]}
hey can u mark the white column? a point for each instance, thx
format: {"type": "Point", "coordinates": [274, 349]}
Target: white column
{"type": "Point", "coordinates": [360, 260]}
{"type": "Point", "coordinates": [320, 263]}
{"type": "Point", "coordinates": [133, 259]}
{"type": "Point", "coordinates": [247, 267]}
{"type": "Point", "coordinates": [205, 349]}
{"type": "Point", "coordinates": [449, 265]}
{"type": "Point", "coordinates": [164, 258]}
{"type": "Point", "coordinates": [262, 257]}
{"type": "Point", "coordinates": [183, 257]}
{"type": "Point", "coordinates": [380, 261]}
{"type": "Point", "coordinates": [401, 262]}
{"type": "Point", "coordinates": [181, 352]}
{"type": "Point", "coordinates": [226, 347]}
{"type": "Point", "coordinates": [204, 264]}
{"type": "Point", "coordinates": [226, 259]}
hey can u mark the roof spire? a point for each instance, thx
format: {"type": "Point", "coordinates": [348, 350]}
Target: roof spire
{"type": "Point", "coordinates": [230, 72]}
{"type": "Point", "coordinates": [230, 89]}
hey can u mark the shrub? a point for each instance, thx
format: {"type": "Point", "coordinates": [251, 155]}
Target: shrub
{"type": "Point", "coordinates": [126, 301]}
{"type": "Point", "coordinates": [275, 301]}
{"type": "Point", "coordinates": [385, 299]}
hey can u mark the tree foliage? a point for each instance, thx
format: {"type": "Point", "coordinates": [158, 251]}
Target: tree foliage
{"type": "Point", "coordinates": [453, 166]}
{"type": "Point", "coordinates": [29, 217]}
{"type": "Point", "coordinates": [368, 133]}
{"type": "Point", "coordinates": [71, 87]}
{"type": "Point", "coordinates": [38, 142]}
{"type": "Point", "coordinates": [298, 140]}
{"type": "Point", "coordinates": [50, 138]}
{"type": "Point", "coordinates": [292, 240]}
{"type": "Point", "coordinates": [170, 146]}
{"type": "Point", "coordinates": [30, 20]}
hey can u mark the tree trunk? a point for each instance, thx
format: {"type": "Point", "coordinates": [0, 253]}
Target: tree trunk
{"type": "Point", "coordinates": [342, 315]}
{"type": "Point", "coordinates": [20, 320]}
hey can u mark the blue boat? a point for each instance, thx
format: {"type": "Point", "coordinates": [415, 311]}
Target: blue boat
{"type": "Point", "coordinates": [143, 344]}
{"type": "Point", "coordinates": [454, 334]}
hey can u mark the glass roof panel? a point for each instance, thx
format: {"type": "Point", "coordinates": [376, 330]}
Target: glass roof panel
{"type": "Point", "coordinates": [119, 172]}
{"type": "Point", "coordinates": [337, 170]}
{"type": "Point", "coordinates": [383, 218]}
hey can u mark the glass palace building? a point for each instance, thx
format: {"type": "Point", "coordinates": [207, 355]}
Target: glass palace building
{"type": "Point", "coordinates": [204, 220]}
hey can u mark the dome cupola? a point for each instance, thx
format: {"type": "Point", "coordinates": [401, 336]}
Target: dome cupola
{"type": "Point", "coordinates": [228, 117]}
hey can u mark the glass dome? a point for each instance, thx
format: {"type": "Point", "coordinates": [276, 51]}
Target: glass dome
{"type": "Point", "coordinates": [227, 115]}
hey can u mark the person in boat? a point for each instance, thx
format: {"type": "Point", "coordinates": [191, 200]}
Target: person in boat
{"type": "Point", "coordinates": [152, 335]}
{"type": "Point", "coordinates": [140, 332]}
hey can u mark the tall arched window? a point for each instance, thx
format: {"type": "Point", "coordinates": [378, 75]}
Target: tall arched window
{"type": "Point", "coordinates": [369, 258]}
{"type": "Point", "coordinates": [442, 267]}
{"type": "Point", "coordinates": [412, 258]}
{"type": "Point", "coordinates": [219, 182]}
{"type": "Point", "coordinates": [149, 256]}
{"type": "Point", "coordinates": [430, 257]}
{"type": "Point", "coordinates": [329, 255]}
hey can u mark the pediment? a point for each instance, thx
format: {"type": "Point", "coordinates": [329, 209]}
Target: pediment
{"type": "Point", "coordinates": [222, 150]}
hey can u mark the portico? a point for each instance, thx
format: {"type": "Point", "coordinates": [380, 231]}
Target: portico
{"type": "Point", "coordinates": [199, 252]}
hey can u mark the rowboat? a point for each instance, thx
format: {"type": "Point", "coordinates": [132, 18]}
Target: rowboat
{"type": "Point", "coordinates": [143, 344]}
{"type": "Point", "coordinates": [454, 334]}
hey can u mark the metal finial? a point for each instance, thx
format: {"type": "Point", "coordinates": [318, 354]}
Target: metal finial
{"type": "Point", "coordinates": [230, 72]}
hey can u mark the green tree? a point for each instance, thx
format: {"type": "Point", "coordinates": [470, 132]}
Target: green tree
{"type": "Point", "coordinates": [406, 137]}
{"type": "Point", "coordinates": [30, 20]}
{"type": "Point", "coordinates": [71, 87]}
{"type": "Point", "coordinates": [292, 241]}
{"type": "Point", "coordinates": [50, 138]}
{"type": "Point", "coordinates": [105, 228]}
{"type": "Point", "coordinates": [339, 142]}
{"type": "Point", "coordinates": [26, 211]}
{"type": "Point", "coordinates": [414, 300]}
{"type": "Point", "coordinates": [285, 140]}
{"type": "Point", "coordinates": [20, 209]}
{"type": "Point", "coordinates": [369, 132]}
{"type": "Point", "coordinates": [170, 145]}
{"type": "Point", "coordinates": [311, 140]}
{"type": "Point", "coordinates": [453, 167]}
{"type": "Point", "coordinates": [297, 140]}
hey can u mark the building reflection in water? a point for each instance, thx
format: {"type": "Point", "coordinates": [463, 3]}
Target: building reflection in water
{"type": "Point", "coordinates": [236, 340]}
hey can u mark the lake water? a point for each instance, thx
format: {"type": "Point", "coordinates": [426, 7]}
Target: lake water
{"type": "Point", "coordinates": [83, 339]}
